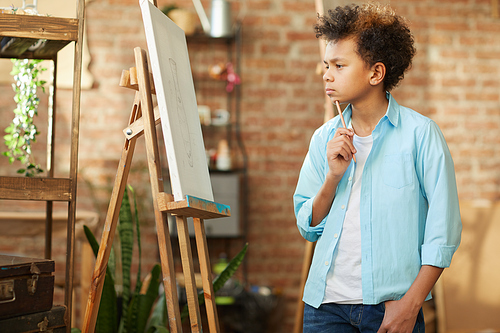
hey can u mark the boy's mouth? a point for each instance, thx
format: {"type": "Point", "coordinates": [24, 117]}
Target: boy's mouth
{"type": "Point", "coordinates": [329, 91]}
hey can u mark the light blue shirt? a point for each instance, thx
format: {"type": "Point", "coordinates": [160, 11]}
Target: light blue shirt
{"type": "Point", "coordinates": [409, 208]}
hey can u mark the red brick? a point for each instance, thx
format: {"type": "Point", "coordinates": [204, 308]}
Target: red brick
{"type": "Point", "coordinates": [434, 10]}
{"type": "Point", "coordinates": [287, 78]}
{"type": "Point", "coordinates": [482, 97]}
{"type": "Point", "coordinates": [452, 26]}
{"type": "Point", "coordinates": [479, 40]}
{"type": "Point", "coordinates": [480, 68]}
{"type": "Point", "coordinates": [488, 55]}
{"type": "Point", "coordinates": [283, 20]}
{"type": "Point", "coordinates": [260, 35]}
{"type": "Point", "coordinates": [436, 39]}
{"type": "Point", "coordinates": [259, 5]}
{"type": "Point", "coordinates": [299, 6]}
{"type": "Point", "coordinates": [491, 83]}
{"type": "Point", "coordinates": [251, 21]}
{"type": "Point", "coordinates": [296, 36]}
{"type": "Point", "coordinates": [275, 49]}
{"type": "Point", "coordinates": [488, 27]}
{"type": "Point", "coordinates": [455, 54]}
{"type": "Point", "coordinates": [455, 82]}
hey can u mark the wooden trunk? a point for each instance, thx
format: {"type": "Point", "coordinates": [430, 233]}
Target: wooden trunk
{"type": "Point", "coordinates": [45, 321]}
{"type": "Point", "coordinates": [26, 286]}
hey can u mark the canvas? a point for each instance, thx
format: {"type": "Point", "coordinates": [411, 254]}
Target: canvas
{"type": "Point", "coordinates": [176, 97]}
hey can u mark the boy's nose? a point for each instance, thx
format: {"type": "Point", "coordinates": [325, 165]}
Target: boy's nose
{"type": "Point", "coordinates": [327, 77]}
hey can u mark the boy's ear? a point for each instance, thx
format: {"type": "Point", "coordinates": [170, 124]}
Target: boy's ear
{"type": "Point", "coordinates": [378, 73]}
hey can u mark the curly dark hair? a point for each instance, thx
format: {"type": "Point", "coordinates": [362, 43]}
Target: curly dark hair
{"type": "Point", "coordinates": [381, 36]}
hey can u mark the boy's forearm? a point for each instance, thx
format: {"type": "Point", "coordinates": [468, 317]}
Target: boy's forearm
{"type": "Point", "coordinates": [423, 284]}
{"type": "Point", "coordinates": [324, 199]}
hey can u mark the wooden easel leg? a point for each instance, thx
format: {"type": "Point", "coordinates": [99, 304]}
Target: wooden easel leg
{"type": "Point", "coordinates": [99, 274]}
{"type": "Point", "coordinates": [166, 256]}
{"type": "Point", "coordinates": [299, 312]}
{"type": "Point", "coordinates": [206, 275]}
{"type": "Point", "coordinates": [187, 268]}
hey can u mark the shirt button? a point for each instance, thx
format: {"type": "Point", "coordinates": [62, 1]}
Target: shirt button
{"type": "Point", "coordinates": [350, 178]}
{"type": "Point", "coordinates": [336, 235]}
{"type": "Point", "coordinates": [326, 263]}
{"type": "Point", "coordinates": [342, 207]}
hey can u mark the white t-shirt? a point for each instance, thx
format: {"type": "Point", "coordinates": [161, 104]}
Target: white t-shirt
{"type": "Point", "coordinates": [343, 284]}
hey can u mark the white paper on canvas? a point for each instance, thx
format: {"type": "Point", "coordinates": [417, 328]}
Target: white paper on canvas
{"type": "Point", "coordinates": [176, 97]}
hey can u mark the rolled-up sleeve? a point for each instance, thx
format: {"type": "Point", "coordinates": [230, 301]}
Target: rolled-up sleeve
{"type": "Point", "coordinates": [443, 226]}
{"type": "Point", "coordinates": [310, 180]}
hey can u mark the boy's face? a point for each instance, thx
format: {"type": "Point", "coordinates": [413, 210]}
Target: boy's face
{"type": "Point", "coordinates": [347, 76]}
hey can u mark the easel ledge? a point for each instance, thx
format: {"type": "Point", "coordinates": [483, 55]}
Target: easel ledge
{"type": "Point", "coordinates": [192, 207]}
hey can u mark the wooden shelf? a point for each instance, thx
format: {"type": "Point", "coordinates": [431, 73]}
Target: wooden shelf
{"type": "Point", "coordinates": [42, 37]}
{"type": "Point", "coordinates": [19, 32]}
{"type": "Point", "coordinates": [38, 189]}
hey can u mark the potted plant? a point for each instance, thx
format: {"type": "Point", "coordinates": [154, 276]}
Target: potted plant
{"type": "Point", "coordinates": [140, 310]}
{"type": "Point", "coordinates": [22, 131]}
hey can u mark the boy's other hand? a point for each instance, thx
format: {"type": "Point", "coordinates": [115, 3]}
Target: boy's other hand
{"type": "Point", "coordinates": [339, 151]}
{"type": "Point", "coordinates": [400, 317]}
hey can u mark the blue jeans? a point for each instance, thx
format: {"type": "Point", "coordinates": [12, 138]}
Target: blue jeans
{"type": "Point", "coordinates": [347, 318]}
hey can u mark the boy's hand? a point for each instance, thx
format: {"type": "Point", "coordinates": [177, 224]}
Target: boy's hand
{"type": "Point", "coordinates": [339, 151]}
{"type": "Point", "coordinates": [400, 317]}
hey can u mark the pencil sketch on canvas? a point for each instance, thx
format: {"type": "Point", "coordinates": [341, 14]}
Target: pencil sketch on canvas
{"type": "Point", "coordinates": [181, 113]}
{"type": "Point", "coordinates": [169, 61]}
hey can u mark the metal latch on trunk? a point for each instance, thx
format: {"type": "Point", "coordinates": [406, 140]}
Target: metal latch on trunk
{"type": "Point", "coordinates": [32, 283]}
{"type": "Point", "coordinates": [7, 293]}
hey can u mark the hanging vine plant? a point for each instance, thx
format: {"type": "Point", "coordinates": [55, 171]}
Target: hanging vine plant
{"type": "Point", "coordinates": [22, 132]}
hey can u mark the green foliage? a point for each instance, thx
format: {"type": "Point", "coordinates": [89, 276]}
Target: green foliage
{"type": "Point", "coordinates": [221, 279]}
{"type": "Point", "coordinates": [139, 312]}
{"type": "Point", "coordinates": [135, 306]}
{"type": "Point", "coordinates": [21, 133]}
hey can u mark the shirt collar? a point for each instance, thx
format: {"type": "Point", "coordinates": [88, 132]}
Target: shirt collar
{"type": "Point", "coordinates": [392, 110]}
{"type": "Point", "coordinates": [392, 113]}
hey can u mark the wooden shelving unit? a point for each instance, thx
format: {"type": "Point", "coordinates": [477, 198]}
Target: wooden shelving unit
{"type": "Point", "coordinates": [42, 37]}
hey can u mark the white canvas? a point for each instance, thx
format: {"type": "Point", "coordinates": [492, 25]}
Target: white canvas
{"type": "Point", "coordinates": [177, 104]}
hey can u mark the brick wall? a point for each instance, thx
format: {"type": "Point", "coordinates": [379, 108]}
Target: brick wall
{"type": "Point", "coordinates": [454, 81]}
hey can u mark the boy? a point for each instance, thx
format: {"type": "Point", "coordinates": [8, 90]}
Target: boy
{"type": "Point", "coordinates": [387, 224]}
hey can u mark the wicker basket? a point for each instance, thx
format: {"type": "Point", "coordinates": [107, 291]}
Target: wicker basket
{"type": "Point", "coordinates": [185, 19]}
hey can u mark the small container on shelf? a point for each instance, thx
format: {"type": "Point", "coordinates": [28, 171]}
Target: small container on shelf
{"type": "Point", "coordinates": [223, 156]}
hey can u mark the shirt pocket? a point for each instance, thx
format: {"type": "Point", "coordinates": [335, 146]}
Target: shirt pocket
{"type": "Point", "coordinates": [398, 170]}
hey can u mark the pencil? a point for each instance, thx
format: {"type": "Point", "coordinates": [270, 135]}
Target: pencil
{"type": "Point", "coordinates": [343, 123]}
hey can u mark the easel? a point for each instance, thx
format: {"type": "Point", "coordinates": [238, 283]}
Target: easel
{"type": "Point", "coordinates": [139, 78]}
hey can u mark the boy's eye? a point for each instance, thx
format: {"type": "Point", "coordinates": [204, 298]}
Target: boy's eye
{"type": "Point", "coordinates": [339, 66]}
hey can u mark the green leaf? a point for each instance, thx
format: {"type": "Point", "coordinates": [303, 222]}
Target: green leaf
{"type": "Point", "coordinates": [129, 322]}
{"type": "Point", "coordinates": [126, 230]}
{"type": "Point", "coordinates": [158, 315]}
{"type": "Point", "coordinates": [107, 317]}
{"type": "Point", "coordinates": [220, 280]}
{"type": "Point", "coordinates": [158, 329]}
{"type": "Point", "coordinates": [147, 300]}
{"type": "Point", "coordinates": [91, 239]}
{"type": "Point", "coordinates": [95, 246]}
